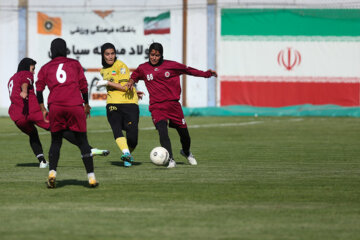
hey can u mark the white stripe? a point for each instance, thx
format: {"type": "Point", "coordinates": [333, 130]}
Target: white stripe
{"type": "Point", "coordinates": [190, 126]}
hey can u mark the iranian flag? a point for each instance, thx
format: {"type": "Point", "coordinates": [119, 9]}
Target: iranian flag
{"type": "Point", "coordinates": [157, 25]}
{"type": "Point", "coordinates": [286, 57]}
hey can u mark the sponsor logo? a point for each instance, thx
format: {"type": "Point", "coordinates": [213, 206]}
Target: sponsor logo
{"type": "Point", "coordinates": [123, 70]}
{"type": "Point", "coordinates": [167, 74]}
{"type": "Point", "coordinates": [289, 58]}
{"type": "Point", "coordinates": [112, 108]}
{"type": "Point", "coordinates": [156, 69]}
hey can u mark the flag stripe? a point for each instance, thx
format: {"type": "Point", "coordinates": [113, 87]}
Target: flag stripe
{"type": "Point", "coordinates": [161, 16]}
{"type": "Point", "coordinates": [290, 22]}
{"type": "Point", "coordinates": [280, 94]}
{"type": "Point", "coordinates": [157, 31]}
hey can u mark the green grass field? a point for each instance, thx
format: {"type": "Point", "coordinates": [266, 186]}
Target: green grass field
{"type": "Point", "coordinates": [257, 178]}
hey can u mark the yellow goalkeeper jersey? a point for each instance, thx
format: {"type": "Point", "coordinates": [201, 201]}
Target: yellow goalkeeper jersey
{"type": "Point", "coordinates": [118, 73]}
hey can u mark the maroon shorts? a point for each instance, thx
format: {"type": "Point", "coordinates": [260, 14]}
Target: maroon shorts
{"type": "Point", "coordinates": [170, 110]}
{"type": "Point", "coordinates": [27, 124]}
{"type": "Point", "coordinates": [67, 117]}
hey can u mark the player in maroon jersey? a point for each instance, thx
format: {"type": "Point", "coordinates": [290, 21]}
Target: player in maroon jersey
{"type": "Point", "coordinates": [68, 106]}
{"type": "Point", "coordinates": [162, 80]}
{"type": "Point", "coordinates": [25, 110]}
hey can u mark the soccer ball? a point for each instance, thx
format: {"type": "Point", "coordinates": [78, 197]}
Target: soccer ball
{"type": "Point", "coordinates": [159, 156]}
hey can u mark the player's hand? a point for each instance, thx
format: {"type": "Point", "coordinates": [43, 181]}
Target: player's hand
{"type": "Point", "coordinates": [87, 110]}
{"type": "Point", "coordinates": [129, 84]}
{"type": "Point", "coordinates": [140, 94]}
{"type": "Point", "coordinates": [102, 83]}
{"type": "Point", "coordinates": [213, 73]}
{"type": "Point", "coordinates": [45, 115]}
{"type": "Point", "coordinates": [24, 95]}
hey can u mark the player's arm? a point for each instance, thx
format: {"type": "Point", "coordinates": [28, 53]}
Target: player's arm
{"type": "Point", "coordinates": [40, 98]}
{"type": "Point", "coordinates": [87, 108]}
{"type": "Point", "coordinates": [183, 69]}
{"type": "Point", "coordinates": [117, 86]}
{"type": "Point", "coordinates": [24, 90]}
{"type": "Point", "coordinates": [135, 76]}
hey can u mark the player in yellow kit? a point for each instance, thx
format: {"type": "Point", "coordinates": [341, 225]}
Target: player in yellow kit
{"type": "Point", "coordinates": [122, 108]}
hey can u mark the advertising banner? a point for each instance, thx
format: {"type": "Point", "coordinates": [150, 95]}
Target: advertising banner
{"type": "Point", "coordinates": [131, 32]}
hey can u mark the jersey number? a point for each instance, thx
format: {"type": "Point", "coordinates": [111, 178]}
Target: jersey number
{"type": "Point", "coordinates": [61, 74]}
{"type": "Point", "coordinates": [11, 85]}
{"type": "Point", "coordinates": [149, 77]}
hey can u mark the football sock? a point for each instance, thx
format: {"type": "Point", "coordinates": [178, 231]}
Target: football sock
{"type": "Point", "coordinates": [91, 175]}
{"type": "Point", "coordinates": [52, 172]}
{"type": "Point", "coordinates": [41, 157]}
{"type": "Point", "coordinates": [54, 152]}
{"type": "Point", "coordinates": [184, 139]}
{"type": "Point", "coordinates": [88, 163]}
{"type": "Point", "coordinates": [164, 136]}
{"type": "Point", "coordinates": [85, 150]}
{"type": "Point", "coordinates": [35, 143]}
{"type": "Point", "coordinates": [122, 144]}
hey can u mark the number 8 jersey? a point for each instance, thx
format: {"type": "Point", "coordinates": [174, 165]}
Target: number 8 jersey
{"type": "Point", "coordinates": [65, 79]}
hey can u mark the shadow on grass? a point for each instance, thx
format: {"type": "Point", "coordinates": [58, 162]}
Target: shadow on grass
{"type": "Point", "coordinates": [73, 182]}
{"type": "Point", "coordinates": [121, 163]}
{"type": "Point", "coordinates": [27, 165]}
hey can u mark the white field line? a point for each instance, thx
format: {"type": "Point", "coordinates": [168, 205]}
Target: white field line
{"type": "Point", "coordinates": [213, 125]}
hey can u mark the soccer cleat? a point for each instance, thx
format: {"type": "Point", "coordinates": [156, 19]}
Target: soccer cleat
{"type": "Point", "coordinates": [43, 164]}
{"type": "Point", "coordinates": [127, 158]}
{"type": "Point", "coordinates": [51, 179]}
{"type": "Point", "coordinates": [190, 158]}
{"type": "Point", "coordinates": [172, 163]}
{"type": "Point", "coordinates": [93, 183]}
{"type": "Point", "coordinates": [99, 152]}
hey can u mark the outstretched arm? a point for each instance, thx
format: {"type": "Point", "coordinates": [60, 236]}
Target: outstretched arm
{"type": "Point", "coordinates": [118, 86]}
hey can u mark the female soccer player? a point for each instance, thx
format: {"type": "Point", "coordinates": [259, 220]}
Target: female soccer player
{"type": "Point", "coordinates": [122, 108]}
{"type": "Point", "coordinates": [68, 106]}
{"type": "Point", "coordinates": [162, 80]}
{"type": "Point", "coordinates": [25, 110]}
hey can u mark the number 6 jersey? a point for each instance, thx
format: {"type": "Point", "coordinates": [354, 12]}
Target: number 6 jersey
{"type": "Point", "coordinates": [65, 79]}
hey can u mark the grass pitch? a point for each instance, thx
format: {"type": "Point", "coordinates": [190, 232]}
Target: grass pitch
{"type": "Point", "coordinates": [257, 178]}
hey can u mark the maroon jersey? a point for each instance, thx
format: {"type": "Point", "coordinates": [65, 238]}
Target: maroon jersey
{"type": "Point", "coordinates": [18, 105]}
{"type": "Point", "coordinates": [163, 82]}
{"type": "Point", "coordinates": [65, 79]}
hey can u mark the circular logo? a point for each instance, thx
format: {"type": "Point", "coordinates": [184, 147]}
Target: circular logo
{"type": "Point", "coordinates": [48, 25]}
{"type": "Point", "coordinates": [167, 74]}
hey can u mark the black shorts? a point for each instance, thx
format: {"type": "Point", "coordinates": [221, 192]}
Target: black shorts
{"type": "Point", "coordinates": [123, 117]}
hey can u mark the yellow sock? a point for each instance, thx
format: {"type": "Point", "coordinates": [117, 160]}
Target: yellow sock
{"type": "Point", "coordinates": [122, 144]}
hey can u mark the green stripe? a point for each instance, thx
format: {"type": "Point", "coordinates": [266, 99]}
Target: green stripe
{"type": "Point", "coordinates": [290, 22]}
{"type": "Point", "coordinates": [161, 16]}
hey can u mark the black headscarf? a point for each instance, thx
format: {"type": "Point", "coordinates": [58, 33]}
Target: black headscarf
{"type": "Point", "coordinates": [25, 64]}
{"type": "Point", "coordinates": [158, 47]}
{"type": "Point", "coordinates": [58, 48]}
{"type": "Point", "coordinates": [103, 48]}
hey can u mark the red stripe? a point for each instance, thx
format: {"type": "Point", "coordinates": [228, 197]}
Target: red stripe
{"type": "Point", "coordinates": [157, 31]}
{"type": "Point", "coordinates": [280, 94]}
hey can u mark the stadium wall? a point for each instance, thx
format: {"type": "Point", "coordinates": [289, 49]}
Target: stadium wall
{"type": "Point", "coordinates": [246, 79]}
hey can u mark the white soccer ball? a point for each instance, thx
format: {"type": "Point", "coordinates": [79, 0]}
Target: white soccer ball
{"type": "Point", "coordinates": [159, 156]}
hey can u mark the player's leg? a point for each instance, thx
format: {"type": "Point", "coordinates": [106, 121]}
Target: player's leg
{"type": "Point", "coordinates": [29, 129]}
{"type": "Point", "coordinates": [115, 120]}
{"type": "Point", "coordinates": [36, 146]}
{"type": "Point", "coordinates": [86, 156]}
{"type": "Point", "coordinates": [54, 155]}
{"type": "Point", "coordinates": [185, 143]}
{"type": "Point", "coordinates": [70, 137]}
{"type": "Point", "coordinates": [162, 128]}
{"type": "Point", "coordinates": [131, 122]}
